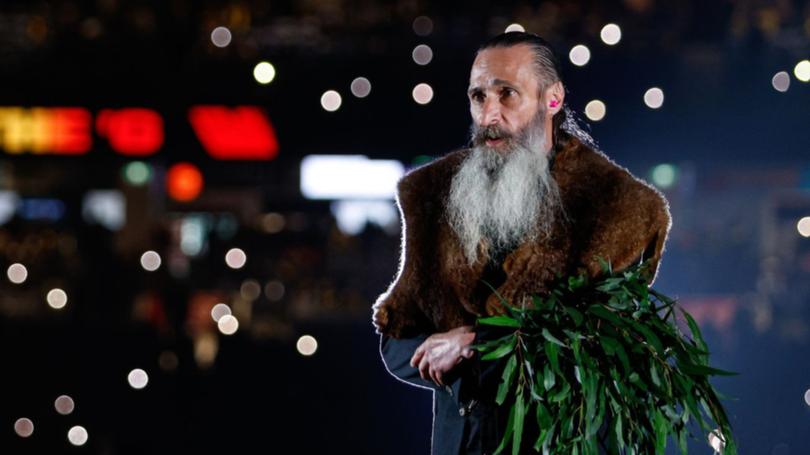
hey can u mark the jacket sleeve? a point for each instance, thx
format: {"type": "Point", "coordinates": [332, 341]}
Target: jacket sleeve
{"type": "Point", "coordinates": [396, 354]}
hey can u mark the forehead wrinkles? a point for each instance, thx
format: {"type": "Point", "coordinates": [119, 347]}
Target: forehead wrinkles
{"type": "Point", "coordinates": [514, 64]}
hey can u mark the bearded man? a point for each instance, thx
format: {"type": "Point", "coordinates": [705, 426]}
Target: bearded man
{"type": "Point", "coordinates": [529, 201]}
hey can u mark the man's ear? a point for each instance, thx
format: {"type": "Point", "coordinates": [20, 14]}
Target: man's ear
{"type": "Point", "coordinates": [554, 97]}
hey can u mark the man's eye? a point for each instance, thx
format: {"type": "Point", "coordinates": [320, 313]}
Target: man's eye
{"type": "Point", "coordinates": [507, 92]}
{"type": "Point", "coordinates": [477, 97]}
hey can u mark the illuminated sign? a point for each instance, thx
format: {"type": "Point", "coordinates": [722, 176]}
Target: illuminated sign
{"type": "Point", "coordinates": [225, 133]}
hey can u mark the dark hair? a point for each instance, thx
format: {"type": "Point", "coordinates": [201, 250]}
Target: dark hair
{"type": "Point", "coordinates": [549, 71]}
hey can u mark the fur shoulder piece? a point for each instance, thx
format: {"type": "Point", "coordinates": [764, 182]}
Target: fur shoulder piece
{"type": "Point", "coordinates": [609, 214]}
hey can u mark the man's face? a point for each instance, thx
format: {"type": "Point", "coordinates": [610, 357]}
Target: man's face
{"type": "Point", "coordinates": [503, 93]}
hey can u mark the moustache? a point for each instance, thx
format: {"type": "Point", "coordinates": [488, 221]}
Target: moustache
{"type": "Point", "coordinates": [481, 134]}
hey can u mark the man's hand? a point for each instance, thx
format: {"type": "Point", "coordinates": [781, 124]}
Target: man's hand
{"type": "Point", "coordinates": [440, 352]}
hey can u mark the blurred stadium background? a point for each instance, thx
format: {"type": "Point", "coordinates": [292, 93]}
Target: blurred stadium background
{"type": "Point", "coordinates": [196, 207]}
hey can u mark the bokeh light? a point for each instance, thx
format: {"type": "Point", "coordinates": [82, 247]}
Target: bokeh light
{"type": "Point", "coordinates": [360, 87]}
{"type": "Point", "coordinates": [331, 100]}
{"type": "Point", "coordinates": [422, 54]}
{"type": "Point", "coordinates": [716, 441]}
{"type": "Point", "coordinates": [274, 290]}
{"type": "Point", "coordinates": [235, 258]}
{"type": "Point", "coordinates": [273, 223]}
{"type": "Point", "coordinates": [219, 310]}
{"type": "Point", "coordinates": [664, 175]}
{"type": "Point", "coordinates": [17, 273]}
{"type": "Point", "coordinates": [423, 26]}
{"type": "Point", "coordinates": [595, 110]}
{"type": "Point", "coordinates": [803, 226]}
{"type": "Point", "coordinates": [64, 405]}
{"type": "Point", "coordinates": [611, 34]}
{"type": "Point", "coordinates": [184, 182]}
{"type": "Point", "coordinates": [150, 261]}
{"type": "Point", "coordinates": [221, 36]}
{"type": "Point", "coordinates": [56, 298]}
{"type": "Point", "coordinates": [422, 93]}
{"type": "Point", "coordinates": [77, 435]}
{"type": "Point", "coordinates": [137, 378]}
{"type": "Point", "coordinates": [781, 81]}
{"type": "Point", "coordinates": [250, 290]}
{"type": "Point", "coordinates": [307, 345]}
{"type": "Point", "coordinates": [654, 98]}
{"type": "Point", "coordinates": [24, 427]}
{"type": "Point", "coordinates": [802, 71]}
{"type": "Point", "coordinates": [264, 72]}
{"type": "Point", "coordinates": [137, 173]}
{"type": "Point", "coordinates": [514, 28]}
{"type": "Point", "coordinates": [580, 55]}
{"type": "Point", "coordinates": [807, 397]}
{"type": "Point", "coordinates": [228, 324]}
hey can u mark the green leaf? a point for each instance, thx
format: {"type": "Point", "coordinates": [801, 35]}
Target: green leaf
{"type": "Point", "coordinates": [520, 414]}
{"type": "Point", "coordinates": [501, 321]}
{"type": "Point", "coordinates": [506, 379]}
{"type": "Point", "coordinates": [547, 335]}
{"type": "Point", "coordinates": [510, 427]}
{"type": "Point", "coordinates": [502, 350]}
{"type": "Point", "coordinates": [575, 314]}
{"type": "Point", "coordinates": [604, 313]}
{"type": "Point", "coordinates": [551, 350]}
{"type": "Point", "coordinates": [703, 370]}
{"type": "Point", "coordinates": [651, 337]}
{"type": "Point", "coordinates": [548, 378]}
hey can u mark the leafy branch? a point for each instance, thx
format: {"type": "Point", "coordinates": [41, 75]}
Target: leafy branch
{"type": "Point", "coordinates": [604, 357]}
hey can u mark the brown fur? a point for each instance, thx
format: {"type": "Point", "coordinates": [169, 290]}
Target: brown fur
{"type": "Point", "coordinates": [610, 214]}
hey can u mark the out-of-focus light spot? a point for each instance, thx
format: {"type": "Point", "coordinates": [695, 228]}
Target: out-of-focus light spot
{"type": "Point", "coordinates": [105, 207]}
{"type": "Point", "coordinates": [349, 177]}
{"type": "Point", "coordinates": [219, 310]}
{"type": "Point", "coordinates": [206, 347]}
{"type": "Point", "coordinates": [192, 235]}
{"type": "Point", "coordinates": [168, 361]}
{"type": "Point", "coordinates": [664, 175]}
{"type": "Point", "coordinates": [150, 261]}
{"type": "Point", "coordinates": [514, 28]}
{"type": "Point", "coordinates": [331, 100]}
{"type": "Point", "coordinates": [235, 258]}
{"type": "Point", "coordinates": [422, 93]}
{"type": "Point", "coordinates": [264, 72]}
{"type": "Point", "coordinates": [17, 273]}
{"type": "Point", "coordinates": [807, 397]}
{"type": "Point", "coordinates": [137, 378]}
{"type": "Point", "coordinates": [56, 298]}
{"type": "Point", "coordinates": [360, 87]}
{"type": "Point", "coordinates": [803, 226]}
{"type": "Point", "coordinates": [8, 205]}
{"type": "Point", "coordinates": [611, 34]}
{"type": "Point", "coordinates": [716, 441]}
{"type": "Point", "coordinates": [250, 289]}
{"type": "Point", "coordinates": [228, 324]}
{"type": "Point", "coordinates": [423, 26]}
{"type": "Point", "coordinates": [654, 98]}
{"type": "Point", "coordinates": [184, 182]}
{"type": "Point", "coordinates": [422, 54]}
{"type": "Point", "coordinates": [24, 427]}
{"type": "Point", "coordinates": [221, 36]}
{"type": "Point", "coordinates": [307, 345]}
{"type": "Point", "coordinates": [77, 435]}
{"type": "Point", "coordinates": [781, 81]}
{"type": "Point", "coordinates": [64, 405]}
{"type": "Point", "coordinates": [802, 71]}
{"type": "Point", "coordinates": [580, 55]}
{"type": "Point", "coordinates": [273, 223]}
{"type": "Point", "coordinates": [274, 290]}
{"type": "Point", "coordinates": [352, 216]}
{"type": "Point", "coordinates": [595, 110]}
{"type": "Point", "coordinates": [137, 173]}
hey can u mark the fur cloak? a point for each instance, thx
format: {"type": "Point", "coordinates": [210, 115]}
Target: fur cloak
{"type": "Point", "coordinates": [609, 214]}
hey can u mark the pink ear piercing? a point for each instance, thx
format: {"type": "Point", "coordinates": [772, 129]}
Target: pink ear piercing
{"type": "Point", "coordinates": [553, 103]}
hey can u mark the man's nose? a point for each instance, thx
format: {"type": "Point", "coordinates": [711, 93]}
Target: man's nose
{"type": "Point", "coordinates": [491, 113]}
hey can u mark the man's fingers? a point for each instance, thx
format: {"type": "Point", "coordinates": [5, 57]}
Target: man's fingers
{"type": "Point", "coordinates": [423, 369]}
{"type": "Point", "coordinates": [436, 375]}
{"type": "Point", "coordinates": [417, 357]}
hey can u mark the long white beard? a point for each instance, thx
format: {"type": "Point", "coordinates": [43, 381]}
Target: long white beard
{"type": "Point", "coordinates": [508, 199]}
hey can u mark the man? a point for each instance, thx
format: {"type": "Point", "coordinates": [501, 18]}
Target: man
{"type": "Point", "coordinates": [529, 201]}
